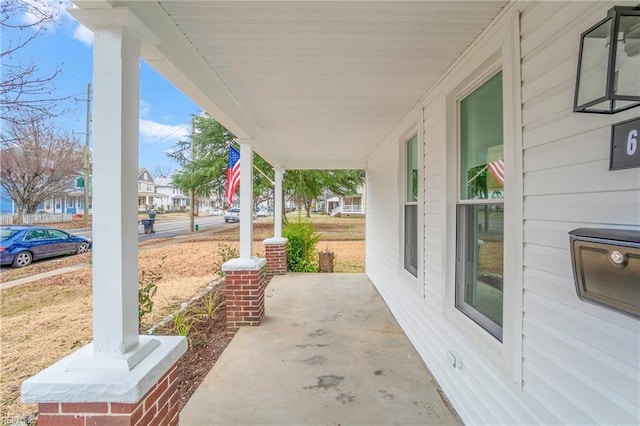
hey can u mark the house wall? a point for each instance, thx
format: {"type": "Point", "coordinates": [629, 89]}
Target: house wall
{"type": "Point", "coordinates": [564, 360]}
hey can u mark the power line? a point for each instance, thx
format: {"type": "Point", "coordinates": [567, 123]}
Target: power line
{"type": "Point", "coordinates": [164, 137]}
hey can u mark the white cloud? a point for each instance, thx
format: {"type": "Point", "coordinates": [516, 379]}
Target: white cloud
{"type": "Point", "coordinates": [153, 132]}
{"type": "Point", "coordinates": [145, 107]}
{"type": "Point", "coordinates": [83, 35]}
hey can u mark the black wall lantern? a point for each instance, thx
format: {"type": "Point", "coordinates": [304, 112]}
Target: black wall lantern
{"type": "Point", "coordinates": [608, 78]}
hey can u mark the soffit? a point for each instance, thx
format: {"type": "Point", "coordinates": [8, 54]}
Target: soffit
{"type": "Point", "coordinates": [313, 84]}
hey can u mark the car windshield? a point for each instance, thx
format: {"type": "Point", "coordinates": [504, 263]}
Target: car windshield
{"type": "Point", "coordinates": [5, 234]}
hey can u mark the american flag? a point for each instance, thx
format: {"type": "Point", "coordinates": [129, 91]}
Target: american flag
{"type": "Point", "coordinates": [233, 174]}
{"type": "Point", "coordinates": [497, 170]}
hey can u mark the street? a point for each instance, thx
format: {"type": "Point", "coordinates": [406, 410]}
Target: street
{"type": "Point", "coordinates": [168, 228]}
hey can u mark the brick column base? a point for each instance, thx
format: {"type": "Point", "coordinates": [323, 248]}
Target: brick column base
{"type": "Point", "coordinates": [159, 406]}
{"type": "Point", "coordinates": [246, 281]}
{"type": "Point", "coordinates": [276, 254]}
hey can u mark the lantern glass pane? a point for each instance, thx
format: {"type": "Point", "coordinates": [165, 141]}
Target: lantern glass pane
{"type": "Point", "coordinates": [593, 64]}
{"type": "Point", "coordinates": [627, 77]}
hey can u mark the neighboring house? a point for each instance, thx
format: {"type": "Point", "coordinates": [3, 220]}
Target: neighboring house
{"type": "Point", "coordinates": [146, 190]}
{"type": "Point", "coordinates": [170, 198]}
{"type": "Point", "coordinates": [72, 202]}
{"type": "Point", "coordinates": [348, 205]}
{"type": "Point", "coordinates": [428, 98]}
{"type": "Point", "coordinates": [6, 203]}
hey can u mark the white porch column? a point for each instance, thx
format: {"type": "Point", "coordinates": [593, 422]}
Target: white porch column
{"type": "Point", "coordinates": [246, 200]}
{"type": "Point", "coordinates": [276, 247]}
{"type": "Point", "coordinates": [118, 366]}
{"type": "Point", "coordinates": [115, 225]}
{"type": "Point", "coordinates": [277, 210]}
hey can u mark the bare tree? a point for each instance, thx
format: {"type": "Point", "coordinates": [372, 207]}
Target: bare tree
{"type": "Point", "coordinates": [22, 86]}
{"type": "Point", "coordinates": [163, 171]}
{"type": "Point", "coordinates": [37, 163]}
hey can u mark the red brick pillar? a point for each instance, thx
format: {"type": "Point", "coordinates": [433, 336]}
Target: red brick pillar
{"type": "Point", "coordinates": [276, 254]}
{"type": "Point", "coordinates": [159, 406]}
{"type": "Point", "coordinates": [246, 281]}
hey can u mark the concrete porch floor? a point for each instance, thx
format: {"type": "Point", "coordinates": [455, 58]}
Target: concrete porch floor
{"type": "Point", "coordinates": [328, 352]}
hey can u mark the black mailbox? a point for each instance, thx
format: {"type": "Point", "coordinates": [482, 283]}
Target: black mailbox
{"type": "Point", "coordinates": [606, 267]}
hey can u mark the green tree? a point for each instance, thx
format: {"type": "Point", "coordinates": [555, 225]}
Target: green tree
{"type": "Point", "coordinates": [304, 186]}
{"type": "Point", "coordinates": [203, 158]}
{"type": "Point", "coordinates": [206, 172]}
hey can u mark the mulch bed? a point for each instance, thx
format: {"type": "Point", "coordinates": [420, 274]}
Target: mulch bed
{"type": "Point", "coordinates": [206, 343]}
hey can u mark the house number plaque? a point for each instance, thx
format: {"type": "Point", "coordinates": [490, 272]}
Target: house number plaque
{"type": "Point", "coordinates": [625, 145]}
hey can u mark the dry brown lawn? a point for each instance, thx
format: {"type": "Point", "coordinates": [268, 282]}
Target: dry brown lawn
{"type": "Point", "coordinates": [45, 320]}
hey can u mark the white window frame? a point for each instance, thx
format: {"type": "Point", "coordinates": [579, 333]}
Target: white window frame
{"type": "Point", "coordinates": [500, 53]}
{"type": "Point", "coordinates": [413, 131]}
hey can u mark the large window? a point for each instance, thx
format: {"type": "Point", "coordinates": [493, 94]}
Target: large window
{"type": "Point", "coordinates": [480, 212]}
{"type": "Point", "coordinates": [411, 207]}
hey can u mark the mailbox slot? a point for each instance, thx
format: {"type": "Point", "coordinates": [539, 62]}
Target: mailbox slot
{"type": "Point", "coordinates": [606, 267]}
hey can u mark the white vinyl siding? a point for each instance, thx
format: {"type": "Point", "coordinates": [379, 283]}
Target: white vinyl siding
{"type": "Point", "coordinates": [579, 363]}
{"type": "Point", "coordinates": [584, 358]}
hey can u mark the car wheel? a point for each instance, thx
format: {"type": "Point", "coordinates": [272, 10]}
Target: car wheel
{"type": "Point", "coordinates": [82, 248]}
{"type": "Point", "coordinates": [22, 259]}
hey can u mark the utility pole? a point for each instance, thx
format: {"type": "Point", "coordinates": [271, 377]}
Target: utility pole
{"type": "Point", "coordinates": [192, 193]}
{"type": "Point", "coordinates": [85, 216]}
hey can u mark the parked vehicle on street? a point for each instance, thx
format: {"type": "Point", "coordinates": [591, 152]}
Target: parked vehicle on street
{"type": "Point", "coordinates": [262, 213]}
{"type": "Point", "coordinates": [216, 212]}
{"type": "Point", "coordinates": [232, 215]}
{"type": "Point", "coordinates": [20, 245]}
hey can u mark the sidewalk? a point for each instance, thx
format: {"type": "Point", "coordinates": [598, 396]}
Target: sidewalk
{"type": "Point", "coordinates": [328, 352]}
{"type": "Point", "coordinates": [43, 275]}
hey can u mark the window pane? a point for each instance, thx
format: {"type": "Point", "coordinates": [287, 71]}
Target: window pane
{"type": "Point", "coordinates": [593, 64]}
{"type": "Point", "coordinates": [412, 169]}
{"type": "Point", "coordinates": [628, 59]}
{"type": "Point", "coordinates": [411, 239]}
{"type": "Point", "coordinates": [482, 160]}
{"type": "Point", "coordinates": [479, 272]}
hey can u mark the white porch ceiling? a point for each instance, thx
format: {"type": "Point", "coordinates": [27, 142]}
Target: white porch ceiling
{"type": "Point", "coordinates": [314, 84]}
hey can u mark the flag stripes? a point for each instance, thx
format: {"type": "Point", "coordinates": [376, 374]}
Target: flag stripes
{"type": "Point", "coordinates": [497, 170]}
{"type": "Point", "coordinates": [233, 174]}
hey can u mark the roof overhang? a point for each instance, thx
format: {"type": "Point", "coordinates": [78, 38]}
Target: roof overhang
{"type": "Point", "coordinates": [316, 84]}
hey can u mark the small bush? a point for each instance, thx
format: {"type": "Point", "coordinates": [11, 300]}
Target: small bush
{"type": "Point", "coordinates": [147, 288]}
{"type": "Point", "coordinates": [301, 247]}
{"type": "Point", "coordinates": [225, 253]}
{"type": "Point", "coordinates": [211, 303]}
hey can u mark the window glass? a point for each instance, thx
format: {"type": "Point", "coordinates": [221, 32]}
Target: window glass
{"type": "Point", "coordinates": [411, 239]}
{"type": "Point", "coordinates": [412, 169]}
{"type": "Point", "coordinates": [480, 264]}
{"type": "Point", "coordinates": [60, 235]}
{"type": "Point", "coordinates": [481, 132]}
{"type": "Point", "coordinates": [411, 207]}
{"type": "Point", "coordinates": [480, 224]}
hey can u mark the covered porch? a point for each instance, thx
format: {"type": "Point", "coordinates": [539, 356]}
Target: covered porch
{"type": "Point", "coordinates": [327, 352]}
{"type": "Point", "coordinates": [307, 85]}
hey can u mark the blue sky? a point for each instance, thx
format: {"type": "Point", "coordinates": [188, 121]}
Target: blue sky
{"type": "Point", "coordinates": [165, 113]}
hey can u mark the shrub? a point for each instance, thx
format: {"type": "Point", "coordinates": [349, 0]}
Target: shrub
{"type": "Point", "coordinates": [147, 288]}
{"type": "Point", "coordinates": [225, 253]}
{"type": "Point", "coordinates": [301, 246]}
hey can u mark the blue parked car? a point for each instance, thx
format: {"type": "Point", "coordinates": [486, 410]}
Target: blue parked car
{"type": "Point", "coordinates": [19, 245]}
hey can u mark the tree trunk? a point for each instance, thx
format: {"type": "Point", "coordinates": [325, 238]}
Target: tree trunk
{"type": "Point", "coordinates": [32, 207]}
{"type": "Point", "coordinates": [20, 218]}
